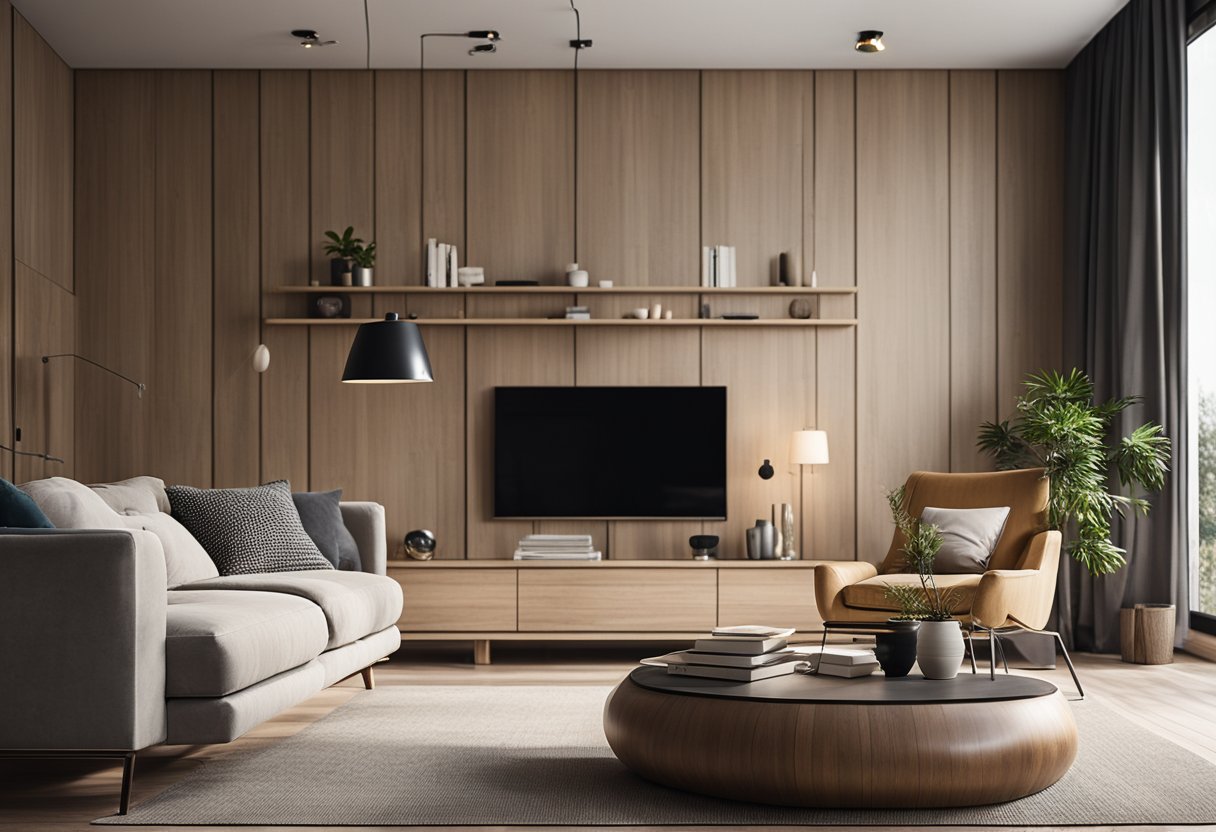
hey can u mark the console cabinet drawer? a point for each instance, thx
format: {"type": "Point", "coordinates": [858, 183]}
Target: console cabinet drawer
{"type": "Point", "coordinates": [765, 596]}
{"type": "Point", "coordinates": [457, 600]}
{"type": "Point", "coordinates": [617, 600]}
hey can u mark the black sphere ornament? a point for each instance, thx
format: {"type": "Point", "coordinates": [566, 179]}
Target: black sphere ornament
{"type": "Point", "coordinates": [766, 470]}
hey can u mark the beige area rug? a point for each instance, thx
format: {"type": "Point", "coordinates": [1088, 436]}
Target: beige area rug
{"type": "Point", "coordinates": [537, 755]}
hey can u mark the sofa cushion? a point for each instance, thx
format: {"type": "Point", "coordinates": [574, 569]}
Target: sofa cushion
{"type": "Point", "coordinates": [969, 535]}
{"type": "Point", "coordinates": [185, 558]}
{"type": "Point", "coordinates": [70, 505]}
{"type": "Point", "coordinates": [871, 594]}
{"type": "Point", "coordinates": [217, 643]}
{"type": "Point", "coordinates": [18, 510]}
{"type": "Point", "coordinates": [141, 495]}
{"type": "Point", "coordinates": [247, 530]}
{"type": "Point", "coordinates": [355, 604]}
{"type": "Point", "coordinates": [321, 515]}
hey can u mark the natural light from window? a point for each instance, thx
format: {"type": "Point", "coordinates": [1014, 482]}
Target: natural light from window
{"type": "Point", "coordinates": [1201, 242]}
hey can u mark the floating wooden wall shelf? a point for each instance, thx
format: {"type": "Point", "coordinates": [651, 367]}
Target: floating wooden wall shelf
{"type": "Point", "coordinates": [564, 290]}
{"type": "Point", "coordinates": [757, 322]}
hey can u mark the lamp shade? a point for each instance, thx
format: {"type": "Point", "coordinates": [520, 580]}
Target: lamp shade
{"type": "Point", "coordinates": [387, 352]}
{"type": "Point", "coordinates": [809, 447]}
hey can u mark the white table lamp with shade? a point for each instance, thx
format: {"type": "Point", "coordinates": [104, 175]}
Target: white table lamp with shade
{"type": "Point", "coordinates": [808, 447]}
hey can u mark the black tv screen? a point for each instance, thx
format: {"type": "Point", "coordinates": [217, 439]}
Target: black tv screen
{"type": "Point", "coordinates": [647, 452]}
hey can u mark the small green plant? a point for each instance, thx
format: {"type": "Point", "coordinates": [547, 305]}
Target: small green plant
{"type": "Point", "coordinates": [342, 246]}
{"type": "Point", "coordinates": [922, 541]}
{"type": "Point", "coordinates": [364, 255]}
{"type": "Point", "coordinates": [1059, 427]}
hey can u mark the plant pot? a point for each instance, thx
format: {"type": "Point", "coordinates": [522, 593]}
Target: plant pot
{"type": "Point", "coordinates": [896, 651]}
{"type": "Point", "coordinates": [939, 649]}
{"type": "Point", "coordinates": [363, 276]}
{"type": "Point", "coordinates": [338, 267]}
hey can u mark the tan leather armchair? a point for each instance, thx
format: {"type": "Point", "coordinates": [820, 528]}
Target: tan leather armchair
{"type": "Point", "coordinates": [1016, 592]}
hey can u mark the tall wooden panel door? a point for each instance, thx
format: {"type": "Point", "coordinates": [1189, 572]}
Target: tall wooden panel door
{"type": "Point", "coordinates": [903, 272]}
{"type": "Point", "coordinates": [45, 394]}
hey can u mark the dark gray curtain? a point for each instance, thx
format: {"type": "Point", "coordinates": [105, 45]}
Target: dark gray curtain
{"type": "Point", "coordinates": [1125, 293]}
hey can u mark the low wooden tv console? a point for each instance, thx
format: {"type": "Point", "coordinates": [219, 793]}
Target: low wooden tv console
{"type": "Point", "coordinates": [616, 600]}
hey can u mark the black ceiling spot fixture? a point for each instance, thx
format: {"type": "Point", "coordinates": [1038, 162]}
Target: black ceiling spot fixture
{"type": "Point", "coordinates": [869, 41]}
{"type": "Point", "coordinates": [309, 38]}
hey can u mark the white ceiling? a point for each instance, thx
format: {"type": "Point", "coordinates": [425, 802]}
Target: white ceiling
{"type": "Point", "coordinates": [627, 33]}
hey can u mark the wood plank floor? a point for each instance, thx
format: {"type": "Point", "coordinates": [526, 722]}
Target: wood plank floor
{"type": "Point", "coordinates": [1176, 701]}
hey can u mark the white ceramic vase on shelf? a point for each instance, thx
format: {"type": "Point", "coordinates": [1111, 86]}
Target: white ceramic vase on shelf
{"type": "Point", "coordinates": [939, 649]}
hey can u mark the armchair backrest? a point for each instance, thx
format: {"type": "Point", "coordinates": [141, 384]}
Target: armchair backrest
{"type": "Point", "coordinates": [1025, 492]}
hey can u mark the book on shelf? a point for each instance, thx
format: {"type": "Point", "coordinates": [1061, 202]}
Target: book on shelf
{"type": "Point", "coordinates": [745, 646]}
{"type": "Point", "coordinates": [520, 554]}
{"type": "Point", "coordinates": [432, 262]}
{"type": "Point", "coordinates": [734, 674]}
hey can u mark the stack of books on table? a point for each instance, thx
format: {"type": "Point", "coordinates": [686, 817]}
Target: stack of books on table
{"type": "Point", "coordinates": [738, 654]}
{"type": "Point", "coordinates": [846, 662]}
{"type": "Point", "coordinates": [557, 547]}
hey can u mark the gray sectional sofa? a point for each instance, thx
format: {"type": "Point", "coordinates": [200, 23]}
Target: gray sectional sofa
{"type": "Point", "coordinates": [102, 658]}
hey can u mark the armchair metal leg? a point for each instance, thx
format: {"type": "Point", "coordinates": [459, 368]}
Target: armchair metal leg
{"type": "Point", "coordinates": [1068, 661]}
{"type": "Point", "coordinates": [971, 648]}
{"type": "Point", "coordinates": [128, 774]}
{"type": "Point", "coordinates": [1001, 649]}
{"type": "Point", "coordinates": [992, 654]}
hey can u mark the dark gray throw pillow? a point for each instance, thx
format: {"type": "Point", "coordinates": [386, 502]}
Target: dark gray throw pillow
{"type": "Point", "coordinates": [247, 530]}
{"type": "Point", "coordinates": [322, 519]}
{"type": "Point", "coordinates": [18, 509]}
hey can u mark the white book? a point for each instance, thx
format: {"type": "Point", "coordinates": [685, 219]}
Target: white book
{"type": "Point", "coordinates": [705, 267]}
{"type": "Point", "coordinates": [441, 265]}
{"type": "Point", "coordinates": [847, 671]}
{"type": "Point", "coordinates": [846, 656]}
{"type": "Point", "coordinates": [752, 631]}
{"type": "Point", "coordinates": [739, 646]}
{"type": "Point", "coordinates": [557, 538]}
{"type": "Point", "coordinates": [734, 268]}
{"type": "Point", "coordinates": [522, 555]}
{"type": "Point", "coordinates": [726, 659]}
{"type": "Point", "coordinates": [432, 262]}
{"type": "Point", "coordinates": [452, 267]}
{"type": "Point", "coordinates": [734, 674]}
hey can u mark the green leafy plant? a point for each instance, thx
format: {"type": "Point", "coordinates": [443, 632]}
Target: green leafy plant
{"type": "Point", "coordinates": [1059, 427]}
{"type": "Point", "coordinates": [364, 255]}
{"type": "Point", "coordinates": [343, 245]}
{"type": "Point", "coordinates": [922, 541]}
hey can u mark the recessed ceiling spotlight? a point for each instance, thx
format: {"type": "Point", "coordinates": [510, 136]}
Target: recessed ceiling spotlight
{"type": "Point", "coordinates": [869, 41]}
{"type": "Point", "coordinates": [309, 38]}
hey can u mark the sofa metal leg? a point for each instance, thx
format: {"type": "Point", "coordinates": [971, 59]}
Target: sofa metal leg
{"type": "Point", "coordinates": [369, 677]}
{"type": "Point", "coordinates": [128, 774]}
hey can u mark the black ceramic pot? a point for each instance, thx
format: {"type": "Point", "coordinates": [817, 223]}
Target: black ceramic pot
{"type": "Point", "coordinates": [338, 266]}
{"type": "Point", "coordinates": [896, 650]}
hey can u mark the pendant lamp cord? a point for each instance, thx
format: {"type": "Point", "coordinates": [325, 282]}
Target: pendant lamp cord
{"type": "Point", "coordinates": [367, 27]}
{"type": "Point", "coordinates": [578, 47]}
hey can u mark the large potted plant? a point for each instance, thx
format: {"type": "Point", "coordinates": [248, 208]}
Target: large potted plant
{"type": "Point", "coordinates": [341, 249]}
{"type": "Point", "coordinates": [1059, 427]}
{"type": "Point", "coordinates": [939, 639]}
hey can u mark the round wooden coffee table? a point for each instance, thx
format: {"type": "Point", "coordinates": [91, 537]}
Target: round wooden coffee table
{"type": "Point", "coordinates": [818, 741]}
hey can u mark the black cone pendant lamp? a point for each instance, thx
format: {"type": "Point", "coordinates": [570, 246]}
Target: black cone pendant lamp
{"type": "Point", "coordinates": [387, 352]}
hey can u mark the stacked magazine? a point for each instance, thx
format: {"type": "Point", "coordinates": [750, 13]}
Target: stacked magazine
{"type": "Point", "coordinates": [740, 654]}
{"type": "Point", "coordinates": [557, 547]}
{"type": "Point", "coordinates": [846, 662]}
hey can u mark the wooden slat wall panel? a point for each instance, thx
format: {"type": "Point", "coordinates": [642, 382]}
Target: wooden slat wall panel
{"type": "Point", "coordinates": [179, 389]}
{"type": "Point", "coordinates": [770, 379]}
{"type": "Point", "coordinates": [1030, 224]}
{"type": "Point", "coordinates": [506, 356]}
{"type": "Point", "coordinates": [42, 155]}
{"type": "Point", "coordinates": [639, 155]}
{"type": "Point", "coordinates": [236, 401]}
{"type": "Point", "coordinates": [397, 444]}
{"type": "Point", "coordinates": [45, 407]}
{"type": "Point", "coordinates": [6, 238]}
{"type": "Point", "coordinates": [342, 160]}
{"type": "Point", "coordinates": [520, 174]}
{"type": "Point", "coordinates": [972, 263]}
{"type": "Point", "coordinates": [903, 270]}
{"type": "Point", "coordinates": [829, 492]}
{"type": "Point", "coordinates": [114, 201]}
{"type": "Point", "coordinates": [661, 357]}
{"type": "Point", "coordinates": [286, 258]}
{"type": "Point", "coordinates": [752, 166]}
{"type": "Point", "coordinates": [443, 210]}
{"type": "Point", "coordinates": [398, 174]}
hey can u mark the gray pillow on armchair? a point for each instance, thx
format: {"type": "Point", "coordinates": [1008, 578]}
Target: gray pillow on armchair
{"type": "Point", "coordinates": [969, 535]}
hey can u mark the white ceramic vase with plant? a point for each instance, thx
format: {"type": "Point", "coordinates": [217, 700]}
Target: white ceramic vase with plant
{"type": "Point", "coordinates": [939, 640]}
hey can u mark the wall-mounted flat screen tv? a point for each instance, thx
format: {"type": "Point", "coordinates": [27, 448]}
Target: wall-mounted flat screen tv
{"type": "Point", "coordinates": [627, 452]}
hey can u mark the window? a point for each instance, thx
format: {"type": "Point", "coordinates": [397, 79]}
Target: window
{"type": "Point", "coordinates": [1201, 270]}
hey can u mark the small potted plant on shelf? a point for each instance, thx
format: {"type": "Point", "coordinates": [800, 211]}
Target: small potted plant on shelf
{"type": "Point", "coordinates": [341, 249]}
{"type": "Point", "coordinates": [939, 638]}
{"type": "Point", "coordinates": [364, 257]}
